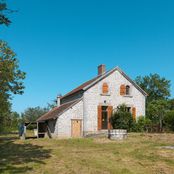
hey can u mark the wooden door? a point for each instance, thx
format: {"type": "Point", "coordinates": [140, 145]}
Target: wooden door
{"type": "Point", "coordinates": [76, 128]}
{"type": "Point", "coordinates": [104, 115]}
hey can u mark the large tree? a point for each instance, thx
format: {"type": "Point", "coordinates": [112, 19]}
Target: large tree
{"type": "Point", "coordinates": [11, 78]}
{"type": "Point", "coordinates": [158, 88]}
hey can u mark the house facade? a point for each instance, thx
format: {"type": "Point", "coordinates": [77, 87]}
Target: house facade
{"type": "Point", "coordinates": [87, 109]}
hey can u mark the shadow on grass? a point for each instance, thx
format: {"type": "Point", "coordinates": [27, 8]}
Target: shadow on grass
{"type": "Point", "coordinates": [14, 157]}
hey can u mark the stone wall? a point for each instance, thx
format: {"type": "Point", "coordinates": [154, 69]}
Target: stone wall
{"type": "Point", "coordinates": [63, 124]}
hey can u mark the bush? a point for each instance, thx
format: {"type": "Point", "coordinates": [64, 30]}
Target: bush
{"type": "Point", "coordinates": [121, 119]}
{"type": "Point", "coordinates": [143, 124]}
{"type": "Point", "coordinates": [169, 120]}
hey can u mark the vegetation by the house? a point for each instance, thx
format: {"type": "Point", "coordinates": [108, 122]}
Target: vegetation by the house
{"type": "Point", "coordinates": [122, 119]}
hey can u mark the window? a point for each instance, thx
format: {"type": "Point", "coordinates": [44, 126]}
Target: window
{"type": "Point", "coordinates": [122, 90]}
{"type": "Point", "coordinates": [105, 89]}
{"type": "Point", "coordinates": [127, 90]}
{"type": "Point", "coordinates": [128, 109]}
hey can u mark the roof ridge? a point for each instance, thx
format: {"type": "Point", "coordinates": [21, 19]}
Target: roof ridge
{"type": "Point", "coordinates": [89, 83]}
{"type": "Point", "coordinates": [132, 81]}
{"type": "Point", "coordinates": [103, 75]}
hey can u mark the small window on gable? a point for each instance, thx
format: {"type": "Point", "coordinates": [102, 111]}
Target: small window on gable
{"type": "Point", "coordinates": [105, 88]}
{"type": "Point", "coordinates": [127, 90]}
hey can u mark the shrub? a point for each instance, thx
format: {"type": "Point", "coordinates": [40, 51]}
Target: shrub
{"type": "Point", "coordinates": [121, 119]}
{"type": "Point", "coordinates": [169, 120]}
{"type": "Point", "coordinates": [143, 124]}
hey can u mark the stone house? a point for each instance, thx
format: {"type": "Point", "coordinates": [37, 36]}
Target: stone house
{"type": "Point", "coordinates": [87, 109]}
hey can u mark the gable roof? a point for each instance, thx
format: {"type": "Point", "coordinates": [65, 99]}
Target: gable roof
{"type": "Point", "coordinates": [80, 87]}
{"type": "Point", "coordinates": [57, 111]}
{"type": "Point", "coordinates": [133, 82]}
{"type": "Point", "coordinates": [95, 80]}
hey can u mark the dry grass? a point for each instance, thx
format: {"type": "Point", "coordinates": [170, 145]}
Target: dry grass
{"type": "Point", "coordinates": [140, 153]}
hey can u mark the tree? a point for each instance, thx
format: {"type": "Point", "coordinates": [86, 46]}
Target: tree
{"type": "Point", "coordinates": [4, 12]}
{"type": "Point", "coordinates": [156, 111]}
{"type": "Point", "coordinates": [11, 121]}
{"type": "Point", "coordinates": [143, 124]}
{"type": "Point", "coordinates": [157, 88]}
{"type": "Point", "coordinates": [32, 114]}
{"type": "Point", "coordinates": [122, 119]}
{"type": "Point", "coordinates": [11, 79]}
{"type": "Point", "coordinates": [52, 104]}
{"type": "Point", "coordinates": [171, 104]}
{"type": "Point", "coordinates": [169, 120]}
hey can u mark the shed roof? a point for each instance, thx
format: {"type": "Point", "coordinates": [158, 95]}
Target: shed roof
{"type": "Point", "coordinates": [55, 112]}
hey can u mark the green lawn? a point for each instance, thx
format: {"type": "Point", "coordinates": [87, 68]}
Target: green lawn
{"type": "Point", "coordinates": [140, 153]}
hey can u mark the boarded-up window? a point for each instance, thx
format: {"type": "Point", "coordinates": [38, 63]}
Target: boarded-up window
{"type": "Point", "coordinates": [134, 113]}
{"type": "Point", "coordinates": [105, 89]}
{"type": "Point", "coordinates": [122, 90]}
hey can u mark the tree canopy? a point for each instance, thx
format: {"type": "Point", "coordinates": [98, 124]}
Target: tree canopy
{"type": "Point", "coordinates": [156, 111]}
{"type": "Point", "coordinates": [158, 88]}
{"type": "Point", "coordinates": [31, 114]}
{"type": "Point", "coordinates": [4, 12]}
{"type": "Point", "coordinates": [11, 79]}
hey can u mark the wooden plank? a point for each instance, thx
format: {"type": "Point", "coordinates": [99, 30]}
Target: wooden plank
{"type": "Point", "coordinates": [76, 128]}
{"type": "Point", "coordinates": [99, 117]}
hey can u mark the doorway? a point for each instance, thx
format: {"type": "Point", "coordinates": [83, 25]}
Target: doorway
{"type": "Point", "coordinates": [76, 128]}
{"type": "Point", "coordinates": [104, 117]}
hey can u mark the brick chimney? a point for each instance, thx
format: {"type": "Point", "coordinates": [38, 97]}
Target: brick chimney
{"type": "Point", "coordinates": [101, 69]}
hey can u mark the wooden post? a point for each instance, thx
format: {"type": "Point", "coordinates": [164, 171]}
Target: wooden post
{"type": "Point", "coordinates": [37, 129]}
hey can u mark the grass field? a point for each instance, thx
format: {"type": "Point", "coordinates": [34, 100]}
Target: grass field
{"type": "Point", "coordinates": [140, 153]}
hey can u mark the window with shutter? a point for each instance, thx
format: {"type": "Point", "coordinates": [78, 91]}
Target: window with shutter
{"type": "Point", "coordinates": [105, 89]}
{"type": "Point", "coordinates": [122, 90]}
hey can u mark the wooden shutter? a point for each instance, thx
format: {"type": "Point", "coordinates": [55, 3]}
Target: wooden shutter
{"type": "Point", "coordinates": [99, 117]}
{"type": "Point", "coordinates": [110, 109]}
{"type": "Point", "coordinates": [134, 113]}
{"type": "Point", "coordinates": [122, 90]}
{"type": "Point", "coordinates": [105, 88]}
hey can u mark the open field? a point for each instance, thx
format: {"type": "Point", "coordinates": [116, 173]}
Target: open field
{"type": "Point", "coordinates": [140, 153]}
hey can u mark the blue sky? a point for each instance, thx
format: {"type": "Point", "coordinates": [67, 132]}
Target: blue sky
{"type": "Point", "coordinates": [60, 43]}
